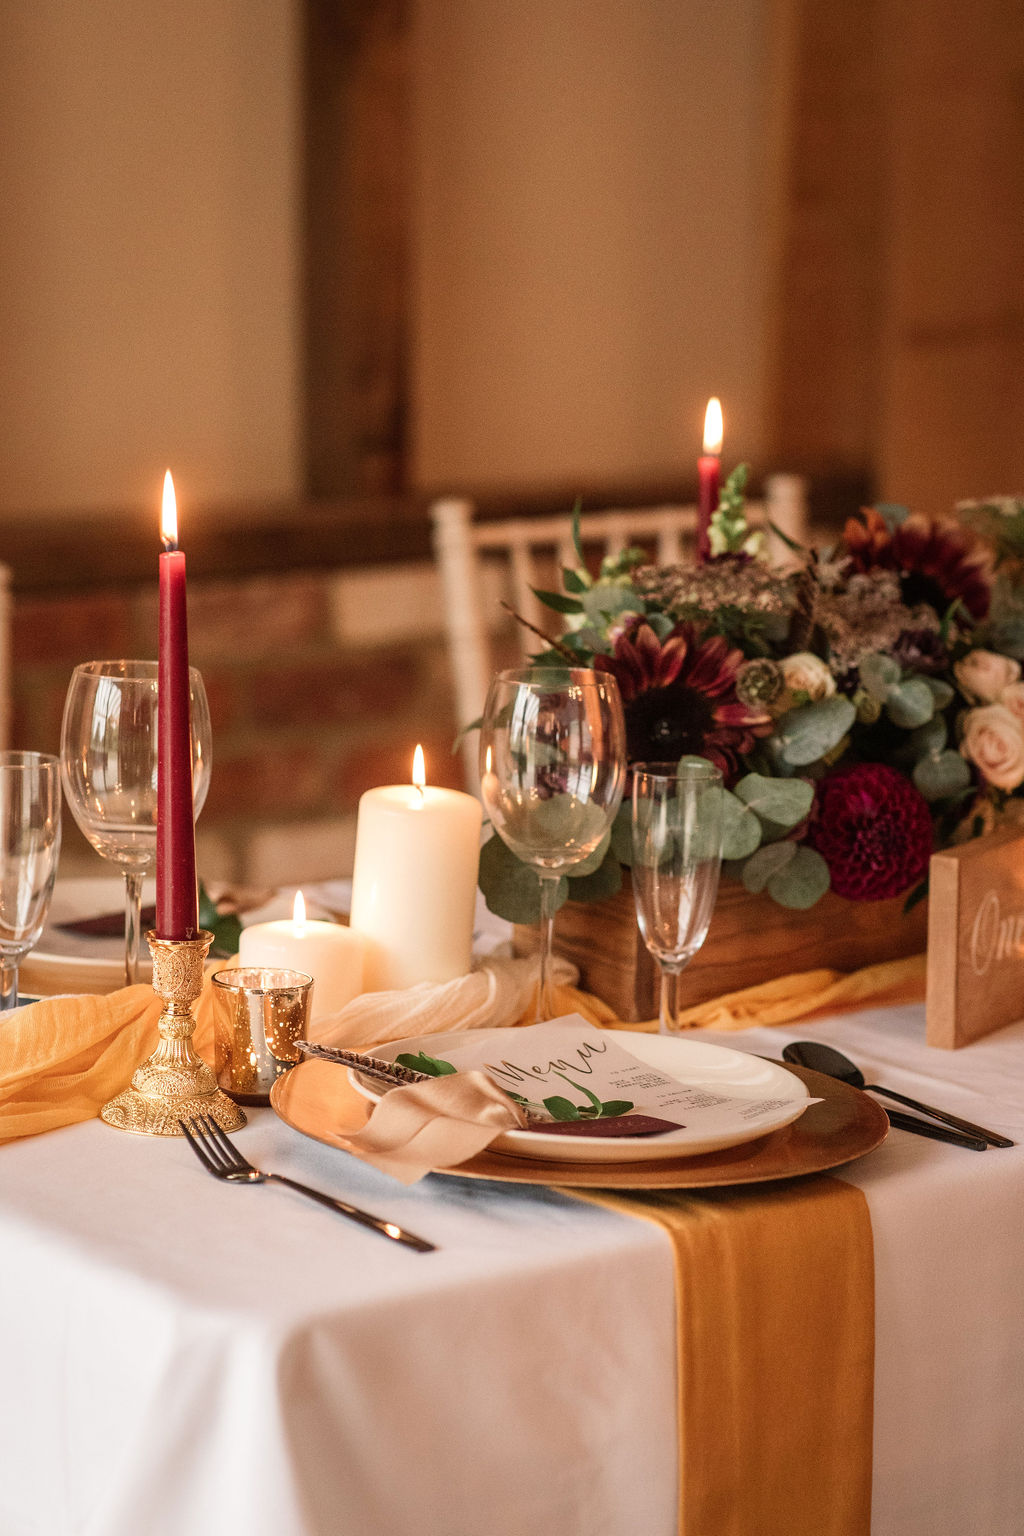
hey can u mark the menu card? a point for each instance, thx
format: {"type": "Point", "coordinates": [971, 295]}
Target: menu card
{"type": "Point", "coordinates": [568, 1071]}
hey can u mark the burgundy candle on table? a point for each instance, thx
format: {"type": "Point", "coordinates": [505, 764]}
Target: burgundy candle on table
{"type": "Point", "coordinates": [709, 467]}
{"type": "Point", "coordinates": [177, 900]}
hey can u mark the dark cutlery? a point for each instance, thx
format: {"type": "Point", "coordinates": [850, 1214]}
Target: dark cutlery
{"type": "Point", "coordinates": [818, 1057]}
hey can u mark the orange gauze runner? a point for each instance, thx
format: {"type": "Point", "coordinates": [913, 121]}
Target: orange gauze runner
{"type": "Point", "coordinates": [775, 1347]}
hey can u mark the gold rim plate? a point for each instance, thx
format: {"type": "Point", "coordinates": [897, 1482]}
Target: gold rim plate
{"type": "Point", "coordinates": [317, 1099]}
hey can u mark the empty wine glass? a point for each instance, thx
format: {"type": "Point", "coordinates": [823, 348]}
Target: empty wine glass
{"type": "Point", "coordinates": [677, 855]}
{"type": "Point", "coordinates": [29, 850]}
{"type": "Point", "coordinates": [108, 759]}
{"type": "Point", "coordinates": [553, 767]}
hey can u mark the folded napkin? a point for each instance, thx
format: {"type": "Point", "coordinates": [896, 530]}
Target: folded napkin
{"type": "Point", "coordinates": [437, 1124]}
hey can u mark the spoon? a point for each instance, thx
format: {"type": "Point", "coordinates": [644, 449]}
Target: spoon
{"type": "Point", "coordinates": [818, 1057]}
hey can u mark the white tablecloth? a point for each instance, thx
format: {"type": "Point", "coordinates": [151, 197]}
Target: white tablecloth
{"type": "Point", "coordinates": [180, 1358]}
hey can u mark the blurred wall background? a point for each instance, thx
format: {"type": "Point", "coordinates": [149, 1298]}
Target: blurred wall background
{"type": "Point", "coordinates": [327, 258]}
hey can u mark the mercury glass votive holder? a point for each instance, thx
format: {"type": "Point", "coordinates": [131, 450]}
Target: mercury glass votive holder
{"type": "Point", "coordinates": [258, 1014]}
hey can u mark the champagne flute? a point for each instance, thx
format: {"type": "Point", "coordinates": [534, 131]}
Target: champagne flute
{"type": "Point", "coordinates": [677, 855]}
{"type": "Point", "coordinates": [553, 768]}
{"type": "Point", "coordinates": [29, 850]}
{"type": "Point", "coordinates": [108, 766]}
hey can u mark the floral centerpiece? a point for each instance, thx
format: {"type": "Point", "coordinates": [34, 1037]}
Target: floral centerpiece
{"type": "Point", "coordinates": [865, 704]}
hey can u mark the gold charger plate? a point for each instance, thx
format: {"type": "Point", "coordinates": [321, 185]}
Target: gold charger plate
{"type": "Point", "coordinates": [317, 1099]}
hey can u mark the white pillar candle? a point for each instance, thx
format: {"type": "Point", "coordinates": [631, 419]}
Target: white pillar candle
{"type": "Point", "coordinates": [414, 882]}
{"type": "Point", "coordinates": [332, 955]}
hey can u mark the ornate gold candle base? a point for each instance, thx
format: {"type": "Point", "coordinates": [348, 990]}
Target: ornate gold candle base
{"type": "Point", "coordinates": [175, 1083]}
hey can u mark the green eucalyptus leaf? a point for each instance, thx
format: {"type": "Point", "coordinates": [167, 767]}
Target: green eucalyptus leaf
{"type": "Point", "coordinates": [802, 882]}
{"type": "Point", "coordinates": [548, 829]}
{"type": "Point", "coordinates": [622, 834]}
{"type": "Point", "coordinates": [558, 601]}
{"type": "Point", "coordinates": [575, 581]}
{"type": "Point", "coordinates": [878, 675]}
{"type": "Point", "coordinates": [511, 888]}
{"type": "Point", "coordinates": [783, 801]}
{"type": "Point", "coordinates": [806, 734]}
{"type": "Point", "coordinates": [741, 830]}
{"type": "Point", "coordinates": [593, 861]}
{"type": "Point", "coordinates": [910, 704]}
{"type": "Point", "coordinates": [600, 883]}
{"type": "Point", "coordinates": [929, 739]}
{"type": "Point", "coordinates": [942, 692]}
{"type": "Point", "coordinates": [607, 599]}
{"type": "Point", "coordinates": [765, 864]}
{"type": "Point", "coordinates": [941, 775]}
{"type": "Point", "coordinates": [661, 624]}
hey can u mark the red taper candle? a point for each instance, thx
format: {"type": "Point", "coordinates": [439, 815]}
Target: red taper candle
{"type": "Point", "coordinates": [709, 467]}
{"type": "Point", "coordinates": [177, 900]}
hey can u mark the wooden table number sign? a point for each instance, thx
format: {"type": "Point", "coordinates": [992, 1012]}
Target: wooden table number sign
{"type": "Point", "coordinates": [975, 939]}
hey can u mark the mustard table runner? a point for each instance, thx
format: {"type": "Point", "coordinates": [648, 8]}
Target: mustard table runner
{"type": "Point", "coordinates": [775, 1343]}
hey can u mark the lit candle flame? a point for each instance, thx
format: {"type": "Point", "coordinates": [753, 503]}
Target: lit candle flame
{"type": "Point", "coordinates": [169, 515]}
{"type": "Point", "coordinates": [299, 910]}
{"type": "Point", "coordinates": [487, 761]}
{"type": "Point", "coordinates": [713, 426]}
{"type": "Point", "coordinates": [419, 769]}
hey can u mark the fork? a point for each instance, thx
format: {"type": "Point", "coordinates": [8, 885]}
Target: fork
{"type": "Point", "coordinates": [219, 1156]}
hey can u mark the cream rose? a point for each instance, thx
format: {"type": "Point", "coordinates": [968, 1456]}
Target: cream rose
{"type": "Point", "coordinates": [983, 675]}
{"type": "Point", "coordinates": [806, 673]}
{"type": "Point", "coordinates": [1013, 699]}
{"type": "Point", "coordinates": [994, 742]}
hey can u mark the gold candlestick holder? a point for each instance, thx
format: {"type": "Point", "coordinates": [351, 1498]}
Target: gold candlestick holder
{"type": "Point", "coordinates": [174, 1083]}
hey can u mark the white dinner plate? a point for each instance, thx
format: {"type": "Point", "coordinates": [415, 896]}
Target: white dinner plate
{"type": "Point", "coordinates": [64, 960]}
{"type": "Point", "coordinates": [693, 1062]}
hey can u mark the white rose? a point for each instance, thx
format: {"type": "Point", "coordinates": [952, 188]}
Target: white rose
{"type": "Point", "coordinates": [994, 743]}
{"type": "Point", "coordinates": [983, 675]}
{"type": "Point", "coordinates": [806, 673]}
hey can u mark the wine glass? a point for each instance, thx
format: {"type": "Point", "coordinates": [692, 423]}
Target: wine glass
{"type": "Point", "coordinates": [677, 855]}
{"type": "Point", "coordinates": [29, 850]}
{"type": "Point", "coordinates": [108, 766]}
{"type": "Point", "coordinates": [553, 768]}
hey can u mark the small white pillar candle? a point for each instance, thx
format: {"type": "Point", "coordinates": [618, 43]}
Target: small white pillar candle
{"type": "Point", "coordinates": [332, 955]}
{"type": "Point", "coordinates": [414, 882]}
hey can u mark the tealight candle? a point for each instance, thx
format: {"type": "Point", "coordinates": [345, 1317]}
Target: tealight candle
{"type": "Point", "coordinates": [414, 882]}
{"type": "Point", "coordinates": [331, 954]}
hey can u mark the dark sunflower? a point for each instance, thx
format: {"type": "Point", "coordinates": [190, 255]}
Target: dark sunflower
{"type": "Point", "coordinates": [679, 697]}
{"type": "Point", "coordinates": [936, 561]}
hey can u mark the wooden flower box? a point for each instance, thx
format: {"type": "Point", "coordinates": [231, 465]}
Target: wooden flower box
{"type": "Point", "coordinates": [751, 939]}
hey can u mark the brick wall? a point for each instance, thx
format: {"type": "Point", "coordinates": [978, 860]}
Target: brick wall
{"type": "Point", "coordinates": [320, 685]}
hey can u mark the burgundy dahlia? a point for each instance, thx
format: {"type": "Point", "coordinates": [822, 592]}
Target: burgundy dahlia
{"type": "Point", "coordinates": [874, 831]}
{"type": "Point", "coordinates": [679, 697]}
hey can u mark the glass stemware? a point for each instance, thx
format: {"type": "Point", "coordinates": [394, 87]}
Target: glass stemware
{"type": "Point", "coordinates": [29, 850]}
{"type": "Point", "coordinates": [553, 767]}
{"type": "Point", "coordinates": [677, 855]}
{"type": "Point", "coordinates": [108, 760]}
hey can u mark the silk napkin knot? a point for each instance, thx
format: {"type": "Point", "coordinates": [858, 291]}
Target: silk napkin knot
{"type": "Point", "coordinates": [438, 1124]}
